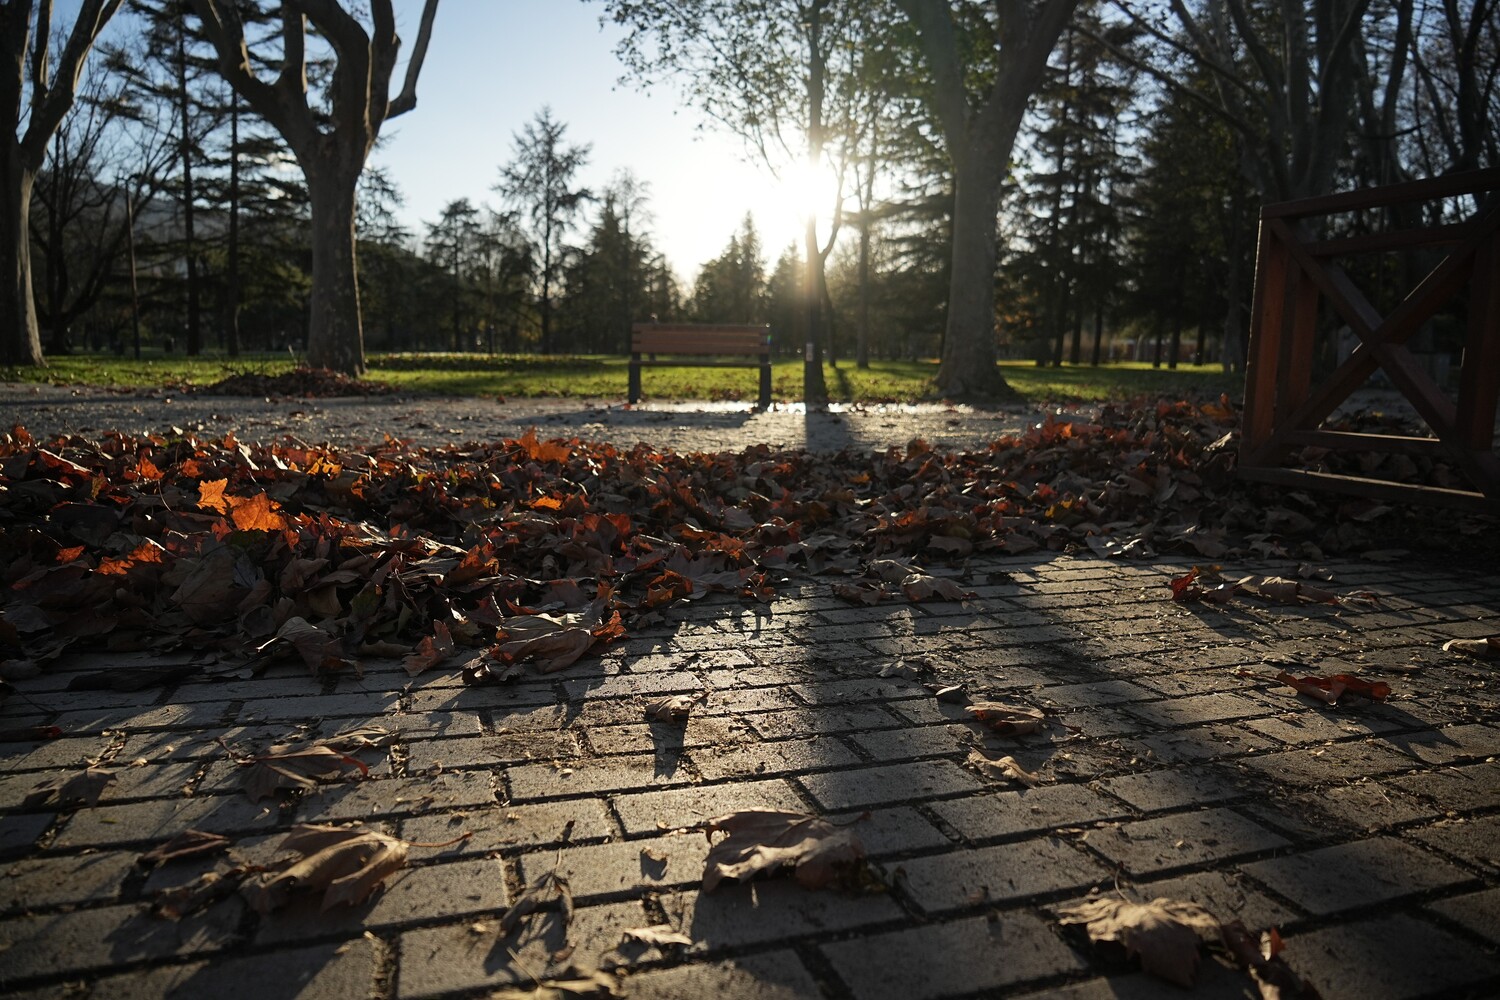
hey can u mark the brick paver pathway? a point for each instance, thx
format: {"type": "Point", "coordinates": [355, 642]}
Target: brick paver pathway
{"type": "Point", "coordinates": [1369, 834]}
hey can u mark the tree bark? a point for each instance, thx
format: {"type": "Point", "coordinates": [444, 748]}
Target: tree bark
{"type": "Point", "coordinates": [335, 337]}
{"type": "Point", "coordinates": [20, 335]}
{"type": "Point", "coordinates": [967, 367]}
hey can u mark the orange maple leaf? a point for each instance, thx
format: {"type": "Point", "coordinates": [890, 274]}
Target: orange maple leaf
{"type": "Point", "coordinates": [146, 552]}
{"type": "Point", "coordinates": [211, 496]}
{"type": "Point", "coordinates": [146, 469]}
{"type": "Point", "coordinates": [255, 513]}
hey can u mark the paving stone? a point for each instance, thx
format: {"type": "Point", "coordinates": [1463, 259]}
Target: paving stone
{"type": "Point", "coordinates": [1386, 958]}
{"type": "Point", "coordinates": [1201, 743]}
{"type": "Point", "coordinates": [1329, 765]}
{"type": "Point", "coordinates": [504, 827]}
{"type": "Point", "coordinates": [633, 685]}
{"type": "Point", "coordinates": [634, 866]}
{"type": "Point", "coordinates": [336, 969]}
{"type": "Point", "coordinates": [773, 910]}
{"type": "Point", "coordinates": [1152, 791]}
{"type": "Point", "coordinates": [471, 955]}
{"type": "Point", "coordinates": [36, 883]}
{"type": "Point", "coordinates": [1460, 788]}
{"type": "Point", "coordinates": [873, 786]}
{"type": "Point", "coordinates": [771, 758]}
{"type": "Point", "coordinates": [488, 751]}
{"type": "Point", "coordinates": [84, 941]}
{"type": "Point", "coordinates": [590, 776]}
{"type": "Point", "coordinates": [1449, 744]}
{"type": "Point", "coordinates": [1047, 807]}
{"type": "Point", "coordinates": [1476, 840]}
{"type": "Point", "coordinates": [643, 737]}
{"type": "Point", "coordinates": [469, 699]}
{"type": "Point", "coordinates": [977, 956]}
{"type": "Point", "coordinates": [300, 709]}
{"type": "Point", "coordinates": [448, 889]}
{"type": "Point", "coordinates": [1369, 804]}
{"type": "Point", "coordinates": [893, 831]}
{"type": "Point", "coordinates": [776, 975]}
{"type": "Point", "coordinates": [396, 796]}
{"type": "Point", "coordinates": [825, 720]}
{"type": "Point", "coordinates": [1228, 895]}
{"type": "Point", "coordinates": [1348, 876]}
{"type": "Point", "coordinates": [1181, 839]}
{"type": "Point", "coordinates": [19, 834]}
{"type": "Point", "coordinates": [157, 820]}
{"type": "Point", "coordinates": [649, 812]}
{"type": "Point", "coordinates": [1195, 710]}
{"type": "Point", "coordinates": [60, 753]}
{"type": "Point", "coordinates": [969, 877]}
{"type": "Point", "coordinates": [742, 701]}
{"type": "Point", "coordinates": [844, 692]}
{"type": "Point", "coordinates": [1311, 726]}
{"type": "Point", "coordinates": [917, 741]}
{"type": "Point", "coordinates": [1110, 692]}
{"type": "Point", "coordinates": [1478, 912]}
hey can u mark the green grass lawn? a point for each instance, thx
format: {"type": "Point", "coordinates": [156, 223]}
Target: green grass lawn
{"type": "Point", "coordinates": [605, 376]}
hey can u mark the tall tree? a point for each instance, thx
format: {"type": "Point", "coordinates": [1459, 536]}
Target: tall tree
{"type": "Point", "coordinates": [330, 150]}
{"type": "Point", "coordinates": [34, 97]}
{"type": "Point", "coordinates": [1014, 39]}
{"type": "Point", "coordinates": [451, 243]}
{"type": "Point", "coordinates": [539, 182]}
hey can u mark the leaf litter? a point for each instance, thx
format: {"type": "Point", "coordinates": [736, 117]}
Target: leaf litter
{"type": "Point", "coordinates": [764, 841]}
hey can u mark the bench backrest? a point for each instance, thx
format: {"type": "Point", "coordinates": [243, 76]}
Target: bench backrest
{"type": "Point", "coordinates": [699, 338]}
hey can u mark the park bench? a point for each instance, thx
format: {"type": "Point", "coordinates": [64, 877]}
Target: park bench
{"type": "Point", "coordinates": [701, 345]}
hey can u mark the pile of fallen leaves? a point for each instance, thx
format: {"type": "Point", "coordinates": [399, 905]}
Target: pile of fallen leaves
{"type": "Point", "coordinates": [304, 381]}
{"type": "Point", "coordinates": [528, 554]}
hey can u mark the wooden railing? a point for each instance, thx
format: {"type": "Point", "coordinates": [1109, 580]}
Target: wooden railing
{"type": "Point", "coordinates": [1295, 274]}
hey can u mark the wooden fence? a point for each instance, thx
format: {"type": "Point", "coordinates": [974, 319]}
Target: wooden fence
{"type": "Point", "coordinates": [1297, 274]}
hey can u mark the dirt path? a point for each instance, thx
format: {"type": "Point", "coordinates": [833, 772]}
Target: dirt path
{"type": "Point", "coordinates": [428, 420]}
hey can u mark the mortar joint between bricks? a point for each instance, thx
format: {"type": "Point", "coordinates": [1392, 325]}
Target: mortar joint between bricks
{"type": "Point", "coordinates": [387, 964]}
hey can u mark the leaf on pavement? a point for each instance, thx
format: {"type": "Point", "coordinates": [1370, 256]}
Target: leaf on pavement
{"type": "Point", "coordinates": [922, 587]}
{"type": "Point", "coordinates": [1164, 933]}
{"type": "Point", "coordinates": [1483, 649]}
{"type": "Point", "coordinates": [199, 894]}
{"type": "Point", "coordinates": [1284, 591]}
{"type": "Point", "coordinates": [1008, 720]}
{"type": "Point", "coordinates": [764, 840]}
{"type": "Point", "coordinates": [432, 650]}
{"type": "Point", "coordinates": [595, 986]}
{"type": "Point", "coordinates": [548, 893]}
{"type": "Point", "coordinates": [257, 513]}
{"type": "Point", "coordinates": [1004, 768]}
{"type": "Point", "coordinates": [1329, 689]}
{"type": "Point", "coordinates": [347, 862]}
{"type": "Point", "coordinates": [187, 844]}
{"type": "Point", "coordinates": [320, 649]}
{"type": "Point", "coordinates": [295, 767]}
{"type": "Point", "coordinates": [1275, 979]}
{"type": "Point", "coordinates": [83, 788]}
{"type": "Point", "coordinates": [674, 708]}
{"type": "Point", "coordinates": [659, 935]}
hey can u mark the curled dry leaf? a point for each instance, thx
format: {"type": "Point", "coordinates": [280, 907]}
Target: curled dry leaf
{"type": "Point", "coordinates": [83, 788]}
{"type": "Point", "coordinates": [320, 649]}
{"type": "Point", "coordinates": [432, 650]}
{"type": "Point", "coordinates": [1004, 768]}
{"type": "Point", "coordinates": [1483, 649]}
{"type": "Point", "coordinates": [1329, 689]}
{"type": "Point", "coordinates": [199, 894]}
{"type": "Point", "coordinates": [1278, 588]}
{"type": "Point", "coordinates": [596, 986]}
{"type": "Point", "coordinates": [1275, 979]}
{"type": "Point", "coordinates": [675, 708]}
{"type": "Point", "coordinates": [1008, 720]}
{"type": "Point", "coordinates": [294, 767]}
{"type": "Point", "coordinates": [347, 862]}
{"type": "Point", "coordinates": [922, 587]}
{"type": "Point", "coordinates": [1164, 933]}
{"type": "Point", "coordinates": [659, 935]}
{"type": "Point", "coordinates": [764, 840]}
{"type": "Point", "coordinates": [187, 844]}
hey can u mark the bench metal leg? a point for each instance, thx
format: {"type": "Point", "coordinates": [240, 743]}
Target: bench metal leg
{"type": "Point", "coordinates": [765, 381]}
{"type": "Point", "coordinates": [635, 378]}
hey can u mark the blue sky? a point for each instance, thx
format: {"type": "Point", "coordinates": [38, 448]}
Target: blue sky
{"type": "Point", "coordinates": [493, 64]}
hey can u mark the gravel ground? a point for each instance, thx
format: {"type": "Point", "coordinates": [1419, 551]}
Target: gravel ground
{"type": "Point", "coordinates": [429, 420]}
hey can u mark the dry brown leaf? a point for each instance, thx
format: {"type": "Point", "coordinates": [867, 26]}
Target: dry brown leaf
{"type": "Point", "coordinates": [199, 894]}
{"type": "Point", "coordinates": [1278, 588]}
{"type": "Point", "coordinates": [596, 986]}
{"type": "Point", "coordinates": [295, 767]}
{"type": "Point", "coordinates": [1273, 976]}
{"type": "Point", "coordinates": [1164, 933]}
{"type": "Point", "coordinates": [659, 935]}
{"type": "Point", "coordinates": [82, 788]}
{"type": "Point", "coordinates": [1008, 720]}
{"type": "Point", "coordinates": [922, 587]}
{"type": "Point", "coordinates": [347, 862]}
{"type": "Point", "coordinates": [432, 650]}
{"type": "Point", "coordinates": [320, 649]}
{"type": "Point", "coordinates": [674, 708]}
{"type": "Point", "coordinates": [187, 844]}
{"type": "Point", "coordinates": [763, 840]}
{"type": "Point", "coordinates": [1483, 649]}
{"type": "Point", "coordinates": [1004, 768]}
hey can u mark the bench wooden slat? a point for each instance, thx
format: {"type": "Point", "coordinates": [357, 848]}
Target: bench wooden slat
{"type": "Point", "coordinates": [701, 340]}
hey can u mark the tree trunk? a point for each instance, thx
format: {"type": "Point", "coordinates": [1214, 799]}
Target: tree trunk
{"type": "Point", "coordinates": [335, 339]}
{"type": "Point", "coordinates": [232, 286]}
{"type": "Point", "coordinates": [862, 321]}
{"type": "Point", "coordinates": [968, 363]}
{"type": "Point", "coordinates": [20, 337]}
{"type": "Point", "coordinates": [1098, 332]}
